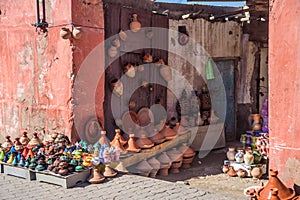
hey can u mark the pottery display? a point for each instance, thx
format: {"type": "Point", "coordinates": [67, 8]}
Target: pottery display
{"type": "Point", "coordinates": [168, 133]}
{"type": "Point", "coordinates": [18, 145]}
{"type": "Point", "coordinates": [35, 140]}
{"type": "Point", "coordinates": [275, 182]}
{"type": "Point", "coordinates": [257, 157]}
{"type": "Point", "coordinates": [65, 33]}
{"type": "Point", "coordinates": [157, 138]}
{"type": "Point", "coordinates": [155, 164]}
{"type": "Point", "coordinates": [166, 72]}
{"type": "Point", "coordinates": [248, 157]}
{"type": "Point", "coordinates": [256, 122]}
{"type": "Point", "coordinates": [24, 139]}
{"type": "Point", "coordinates": [231, 172]}
{"type": "Point", "coordinates": [104, 139]}
{"type": "Point", "coordinates": [143, 142]}
{"type": "Point", "coordinates": [77, 33]}
{"type": "Point", "coordinates": [241, 173]}
{"type": "Point", "coordinates": [188, 155]}
{"type": "Point", "coordinates": [135, 25]}
{"type": "Point", "coordinates": [239, 156]}
{"type": "Point", "coordinates": [109, 172]}
{"type": "Point", "coordinates": [96, 177]}
{"type": "Point", "coordinates": [231, 154]}
{"type": "Point", "coordinates": [117, 144]}
{"type": "Point", "coordinates": [132, 147]}
{"type": "Point", "coordinates": [144, 168]}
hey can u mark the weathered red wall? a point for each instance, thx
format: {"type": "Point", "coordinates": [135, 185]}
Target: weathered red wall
{"type": "Point", "coordinates": [284, 83]}
{"type": "Point", "coordinates": [38, 68]}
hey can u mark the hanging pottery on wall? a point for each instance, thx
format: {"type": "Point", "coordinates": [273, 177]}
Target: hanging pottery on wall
{"type": "Point", "coordinates": [117, 87]}
{"type": "Point", "coordinates": [129, 70]}
{"type": "Point", "coordinates": [112, 52]}
{"type": "Point", "coordinates": [147, 58]}
{"type": "Point", "coordinates": [77, 33]}
{"type": "Point", "coordinates": [166, 72]}
{"type": "Point", "coordinates": [159, 61]}
{"type": "Point", "coordinates": [135, 25]}
{"type": "Point", "coordinates": [65, 33]}
{"type": "Point", "coordinates": [123, 35]}
{"type": "Point", "coordinates": [116, 43]}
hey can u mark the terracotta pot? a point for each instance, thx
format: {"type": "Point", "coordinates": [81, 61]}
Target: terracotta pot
{"type": "Point", "coordinates": [168, 133]}
{"type": "Point", "coordinates": [103, 139]}
{"type": "Point", "coordinates": [24, 139]}
{"type": "Point", "coordinates": [96, 177]}
{"type": "Point", "coordinates": [143, 142]}
{"type": "Point", "coordinates": [123, 35]}
{"type": "Point", "coordinates": [112, 52]}
{"type": "Point", "coordinates": [241, 173]}
{"type": "Point", "coordinates": [7, 144]}
{"type": "Point", "coordinates": [231, 172]}
{"type": "Point", "coordinates": [256, 172]}
{"type": "Point", "coordinates": [274, 182]}
{"type": "Point", "coordinates": [225, 168]}
{"type": "Point", "coordinates": [65, 33]}
{"type": "Point", "coordinates": [274, 194]}
{"type": "Point", "coordinates": [135, 25]}
{"type": "Point", "coordinates": [118, 134]}
{"type": "Point", "coordinates": [296, 198]}
{"type": "Point", "coordinates": [77, 33]}
{"type": "Point", "coordinates": [231, 154]}
{"type": "Point", "coordinates": [109, 172]}
{"type": "Point", "coordinates": [35, 140]}
{"type": "Point", "coordinates": [116, 143]}
{"type": "Point", "coordinates": [166, 72]}
{"type": "Point", "coordinates": [144, 168]}
{"type": "Point", "coordinates": [132, 147]}
{"type": "Point", "coordinates": [164, 170]}
{"type": "Point", "coordinates": [147, 58]}
{"type": "Point", "coordinates": [157, 138]}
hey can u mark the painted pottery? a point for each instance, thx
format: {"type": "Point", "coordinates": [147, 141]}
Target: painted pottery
{"type": "Point", "coordinates": [157, 138]}
{"type": "Point", "coordinates": [248, 157]}
{"type": "Point", "coordinates": [256, 172]}
{"type": "Point", "coordinates": [132, 147]}
{"type": "Point", "coordinates": [168, 133]}
{"type": "Point", "coordinates": [231, 172]}
{"type": "Point", "coordinates": [15, 161]}
{"type": "Point", "coordinates": [239, 156]}
{"type": "Point", "coordinates": [96, 177]}
{"type": "Point", "coordinates": [275, 182]}
{"type": "Point", "coordinates": [135, 25]}
{"type": "Point", "coordinates": [121, 138]}
{"type": "Point", "coordinates": [35, 140]}
{"type": "Point", "coordinates": [123, 35]}
{"type": "Point", "coordinates": [213, 119]}
{"type": "Point", "coordinates": [155, 164]}
{"type": "Point", "coordinates": [143, 142]}
{"type": "Point", "coordinates": [166, 72]}
{"type": "Point", "coordinates": [109, 172]}
{"type": "Point", "coordinates": [144, 168]}
{"type": "Point", "coordinates": [65, 33]}
{"type": "Point", "coordinates": [116, 87]}
{"type": "Point", "coordinates": [112, 51]}
{"type": "Point", "coordinates": [77, 32]}
{"type": "Point", "coordinates": [231, 154]}
{"type": "Point", "coordinates": [7, 144]}
{"type": "Point", "coordinates": [225, 168]}
{"type": "Point", "coordinates": [24, 139]}
{"type": "Point", "coordinates": [241, 173]}
{"type": "Point", "coordinates": [147, 58]}
{"type": "Point", "coordinates": [104, 139]}
{"type": "Point", "coordinates": [18, 145]}
{"type": "Point", "coordinates": [129, 70]}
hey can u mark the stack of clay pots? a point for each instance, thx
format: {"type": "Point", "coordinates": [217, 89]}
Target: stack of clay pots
{"type": "Point", "coordinates": [176, 158]}
{"type": "Point", "coordinates": [165, 164]}
{"type": "Point", "coordinates": [188, 155]}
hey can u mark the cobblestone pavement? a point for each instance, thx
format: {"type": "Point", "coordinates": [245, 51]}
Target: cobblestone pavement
{"type": "Point", "coordinates": [122, 187]}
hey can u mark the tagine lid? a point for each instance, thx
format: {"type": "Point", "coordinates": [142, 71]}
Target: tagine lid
{"type": "Point", "coordinates": [187, 151]}
{"type": "Point", "coordinates": [155, 164]}
{"type": "Point", "coordinates": [164, 158]}
{"type": "Point", "coordinates": [144, 166]}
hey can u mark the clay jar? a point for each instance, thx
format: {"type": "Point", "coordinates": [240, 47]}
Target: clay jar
{"type": "Point", "coordinates": [143, 142]}
{"type": "Point", "coordinates": [248, 157]}
{"type": "Point", "coordinates": [231, 154]}
{"type": "Point", "coordinates": [275, 182]}
{"type": "Point", "coordinates": [168, 133]}
{"type": "Point", "coordinates": [135, 25]}
{"type": "Point", "coordinates": [155, 164]}
{"type": "Point", "coordinates": [144, 168]}
{"type": "Point", "coordinates": [165, 164]}
{"type": "Point", "coordinates": [132, 147]}
{"type": "Point", "coordinates": [188, 155]}
{"type": "Point", "coordinates": [24, 139]}
{"type": "Point", "coordinates": [96, 177]}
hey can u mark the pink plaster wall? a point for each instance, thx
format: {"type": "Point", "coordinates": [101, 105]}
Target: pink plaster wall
{"type": "Point", "coordinates": [284, 83]}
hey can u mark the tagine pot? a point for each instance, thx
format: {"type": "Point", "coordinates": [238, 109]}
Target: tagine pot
{"type": "Point", "coordinates": [35, 140]}
{"type": "Point", "coordinates": [157, 138]}
{"type": "Point", "coordinates": [96, 177]}
{"type": "Point", "coordinates": [7, 144]}
{"type": "Point", "coordinates": [24, 139]}
{"type": "Point", "coordinates": [144, 168]}
{"type": "Point", "coordinates": [274, 194]}
{"type": "Point", "coordinates": [135, 25]}
{"type": "Point", "coordinates": [168, 133]}
{"type": "Point", "coordinates": [132, 147]}
{"type": "Point", "coordinates": [18, 145]}
{"type": "Point", "coordinates": [109, 172]}
{"type": "Point", "coordinates": [231, 154]}
{"type": "Point", "coordinates": [104, 139]}
{"type": "Point", "coordinates": [231, 172]}
{"type": "Point", "coordinates": [121, 138]}
{"type": "Point", "coordinates": [284, 193]}
{"type": "Point", "coordinates": [155, 164]}
{"type": "Point", "coordinates": [241, 173]}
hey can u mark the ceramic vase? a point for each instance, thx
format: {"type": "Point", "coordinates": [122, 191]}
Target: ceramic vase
{"type": "Point", "coordinates": [231, 154]}
{"type": "Point", "coordinates": [248, 157]}
{"type": "Point", "coordinates": [239, 156]}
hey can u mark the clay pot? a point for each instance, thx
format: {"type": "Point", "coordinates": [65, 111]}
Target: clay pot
{"type": "Point", "coordinates": [103, 139]}
{"type": "Point", "coordinates": [77, 33]}
{"type": "Point", "coordinates": [7, 144]}
{"type": "Point", "coordinates": [116, 43]}
{"type": "Point", "coordinates": [186, 151]}
{"type": "Point", "coordinates": [168, 133]}
{"type": "Point", "coordinates": [231, 154]}
{"type": "Point", "coordinates": [116, 87]}
{"type": "Point", "coordinates": [274, 182]}
{"type": "Point", "coordinates": [180, 130]}
{"type": "Point", "coordinates": [157, 138]}
{"type": "Point", "coordinates": [274, 194]}
{"type": "Point", "coordinates": [248, 157]}
{"type": "Point", "coordinates": [144, 168]}
{"type": "Point", "coordinates": [231, 172]}
{"type": "Point", "coordinates": [18, 145]}
{"type": "Point", "coordinates": [123, 35]}
{"type": "Point", "coordinates": [225, 168]}
{"type": "Point", "coordinates": [135, 25]}
{"type": "Point", "coordinates": [241, 173]}
{"type": "Point", "coordinates": [147, 58]}
{"type": "Point", "coordinates": [155, 164]}
{"type": "Point", "coordinates": [132, 147]}
{"type": "Point", "coordinates": [24, 139]}
{"type": "Point", "coordinates": [143, 142]}
{"type": "Point", "coordinates": [109, 172]}
{"type": "Point", "coordinates": [96, 177]}
{"type": "Point", "coordinates": [256, 172]}
{"type": "Point", "coordinates": [63, 171]}
{"type": "Point", "coordinates": [112, 52]}
{"type": "Point", "coordinates": [117, 143]}
{"type": "Point", "coordinates": [35, 140]}
{"type": "Point", "coordinates": [118, 134]}
{"type": "Point", "coordinates": [129, 70]}
{"type": "Point", "coordinates": [65, 33]}
{"type": "Point", "coordinates": [166, 72]}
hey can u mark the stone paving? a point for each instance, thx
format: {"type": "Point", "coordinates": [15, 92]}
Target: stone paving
{"type": "Point", "coordinates": [122, 187]}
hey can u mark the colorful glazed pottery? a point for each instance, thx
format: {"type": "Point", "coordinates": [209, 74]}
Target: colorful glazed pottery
{"type": "Point", "coordinates": [24, 139]}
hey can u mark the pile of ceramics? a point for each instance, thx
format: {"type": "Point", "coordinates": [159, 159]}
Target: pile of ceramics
{"type": "Point", "coordinates": [247, 158]}
{"type": "Point", "coordinates": [171, 160]}
{"type": "Point", "coordinates": [273, 190]}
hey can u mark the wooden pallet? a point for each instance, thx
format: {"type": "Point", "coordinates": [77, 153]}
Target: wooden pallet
{"type": "Point", "coordinates": [18, 172]}
{"type": "Point", "coordinates": [64, 181]}
{"type": "Point", "coordinates": [134, 158]}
